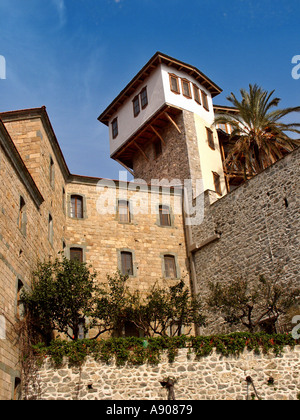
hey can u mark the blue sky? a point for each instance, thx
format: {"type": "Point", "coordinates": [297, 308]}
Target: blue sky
{"type": "Point", "coordinates": [75, 56]}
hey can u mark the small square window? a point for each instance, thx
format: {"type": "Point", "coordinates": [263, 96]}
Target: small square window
{"type": "Point", "coordinates": [115, 130]}
{"type": "Point", "coordinates": [76, 254]}
{"type": "Point", "coordinates": [136, 106]}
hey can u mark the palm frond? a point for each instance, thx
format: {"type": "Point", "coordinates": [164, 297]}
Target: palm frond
{"type": "Point", "coordinates": [258, 134]}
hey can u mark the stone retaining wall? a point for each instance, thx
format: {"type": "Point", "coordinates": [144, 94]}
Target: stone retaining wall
{"type": "Point", "coordinates": [209, 378]}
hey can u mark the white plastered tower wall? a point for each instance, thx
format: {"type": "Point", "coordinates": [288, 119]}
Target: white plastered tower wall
{"type": "Point", "coordinates": [160, 95]}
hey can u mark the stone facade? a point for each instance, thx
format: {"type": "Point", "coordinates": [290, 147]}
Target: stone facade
{"type": "Point", "coordinates": [40, 179]}
{"type": "Point", "coordinates": [257, 227]}
{"type": "Point", "coordinates": [176, 146]}
{"type": "Point", "coordinates": [214, 377]}
{"type": "Point", "coordinates": [102, 236]}
{"type": "Point", "coordinates": [24, 237]}
{"type": "Point", "coordinates": [251, 231]}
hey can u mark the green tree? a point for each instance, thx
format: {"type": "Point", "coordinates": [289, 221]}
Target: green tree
{"type": "Point", "coordinates": [166, 311]}
{"type": "Point", "coordinates": [62, 296]}
{"type": "Point", "coordinates": [255, 305]}
{"type": "Point", "coordinates": [259, 137]}
{"type": "Point", "coordinates": [112, 307]}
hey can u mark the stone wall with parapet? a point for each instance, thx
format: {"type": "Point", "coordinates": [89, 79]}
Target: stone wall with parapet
{"type": "Point", "coordinates": [214, 377]}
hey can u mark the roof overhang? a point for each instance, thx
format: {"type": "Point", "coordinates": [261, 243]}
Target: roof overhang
{"type": "Point", "coordinates": [153, 63]}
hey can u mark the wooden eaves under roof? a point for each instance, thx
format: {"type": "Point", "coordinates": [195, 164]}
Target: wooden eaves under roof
{"type": "Point", "coordinates": [148, 133]}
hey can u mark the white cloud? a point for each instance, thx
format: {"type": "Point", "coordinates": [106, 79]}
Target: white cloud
{"type": "Point", "coordinates": [61, 10]}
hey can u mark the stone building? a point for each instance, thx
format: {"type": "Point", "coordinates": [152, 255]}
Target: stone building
{"type": "Point", "coordinates": [161, 131]}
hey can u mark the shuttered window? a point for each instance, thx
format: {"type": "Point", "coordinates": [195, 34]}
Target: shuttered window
{"type": "Point", "coordinates": [136, 106]}
{"type": "Point", "coordinates": [76, 254]}
{"type": "Point", "coordinates": [144, 98]}
{"type": "Point", "coordinates": [204, 100]}
{"type": "Point", "coordinates": [170, 266]}
{"type": "Point", "coordinates": [164, 216]}
{"type": "Point", "coordinates": [217, 183]}
{"type": "Point", "coordinates": [124, 211]}
{"type": "Point", "coordinates": [127, 263]}
{"type": "Point", "coordinates": [174, 85]}
{"type": "Point", "coordinates": [76, 210]}
{"type": "Point", "coordinates": [210, 138]}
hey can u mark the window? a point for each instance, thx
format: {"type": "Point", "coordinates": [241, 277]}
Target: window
{"type": "Point", "coordinates": [204, 100]}
{"type": "Point", "coordinates": [136, 106]}
{"type": "Point", "coordinates": [20, 306]}
{"type": "Point", "coordinates": [50, 229]}
{"type": "Point", "coordinates": [186, 89]}
{"type": "Point", "coordinates": [157, 148]}
{"type": "Point", "coordinates": [126, 263]}
{"type": "Point", "coordinates": [210, 138]}
{"type": "Point", "coordinates": [17, 389]}
{"type": "Point", "coordinates": [222, 127]}
{"type": "Point", "coordinates": [164, 216]}
{"type": "Point", "coordinates": [196, 94]}
{"type": "Point", "coordinates": [64, 200]}
{"type": "Point", "coordinates": [174, 85]}
{"type": "Point", "coordinates": [51, 172]}
{"type": "Point", "coordinates": [144, 98]}
{"type": "Point", "coordinates": [115, 130]}
{"type": "Point", "coordinates": [170, 266]}
{"type": "Point", "coordinates": [217, 183]}
{"type": "Point", "coordinates": [131, 330]}
{"type": "Point", "coordinates": [76, 209]}
{"type": "Point", "coordinates": [124, 211]}
{"type": "Point", "coordinates": [22, 219]}
{"type": "Point", "coordinates": [76, 254]}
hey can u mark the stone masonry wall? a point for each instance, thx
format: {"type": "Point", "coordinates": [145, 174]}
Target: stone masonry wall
{"type": "Point", "coordinates": [102, 236]}
{"type": "Point", "coordinates": [179, 159]}
{"type": "Point", "coordinates": [210, 378]}
{"type": "Point", "coordinates": [259, 229]}
{"type": "Point", "coordinates": [22, 248]}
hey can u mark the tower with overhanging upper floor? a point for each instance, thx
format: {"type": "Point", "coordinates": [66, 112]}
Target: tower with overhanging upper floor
{"type": "Point", "coordinates": [161, 125]}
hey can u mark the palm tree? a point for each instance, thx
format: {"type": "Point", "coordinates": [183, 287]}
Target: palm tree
{"type": "Point", "coordinates": [258, 137]}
